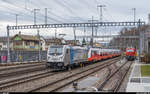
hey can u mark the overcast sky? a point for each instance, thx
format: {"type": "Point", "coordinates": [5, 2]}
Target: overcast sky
{"type": "Point", "coordinates": [64, 11]}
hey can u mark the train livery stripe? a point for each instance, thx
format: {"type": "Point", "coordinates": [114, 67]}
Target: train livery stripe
{"type": "Point", "coordinates": [71, 55]}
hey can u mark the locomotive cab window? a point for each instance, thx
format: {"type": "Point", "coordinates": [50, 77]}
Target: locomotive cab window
{"type": "Point", "coordinates": [58, 50]}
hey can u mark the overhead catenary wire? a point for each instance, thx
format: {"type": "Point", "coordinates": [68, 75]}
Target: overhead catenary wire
{"type": "Point", "coordinates": [29, 10]}
{"type": "Point", "coordinates": [65, 5]}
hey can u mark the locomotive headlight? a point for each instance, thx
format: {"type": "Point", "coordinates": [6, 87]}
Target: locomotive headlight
{"type": "Point", "coordinates": [48, 57]}
{"type": "Point", "coordinates": [61, 58]}
{"type": "Point", "coordinates": [60, 64]}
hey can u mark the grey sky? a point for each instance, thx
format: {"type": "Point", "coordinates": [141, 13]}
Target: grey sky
{"type": "Point", "coordinates": [63, 11]}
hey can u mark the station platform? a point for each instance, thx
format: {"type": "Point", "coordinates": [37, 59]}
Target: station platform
{"type": "Point", "coordinates": [137, 82]}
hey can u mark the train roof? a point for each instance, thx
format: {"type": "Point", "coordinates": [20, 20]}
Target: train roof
{"type": "Point", "coordinates": [106, 50]}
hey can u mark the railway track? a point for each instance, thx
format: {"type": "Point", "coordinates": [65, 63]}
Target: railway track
{"type": "Point", "coordinates": [23, 71]}
{"type": "Point", "coordinates": [62, 82]}
{"type": "Point", "coordinates": [19, 66]}
{"type": "Point", "coordinates": [23, 80]}
{"type": "Point", "coordinates": [116, 83]}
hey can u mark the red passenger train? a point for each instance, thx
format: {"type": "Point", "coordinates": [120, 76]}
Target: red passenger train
{"type": "Point", "coordinates": [130, 54]}
{"type": "Point", "coordinates": [96, 54]}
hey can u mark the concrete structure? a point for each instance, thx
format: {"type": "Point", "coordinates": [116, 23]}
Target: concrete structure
{"type": "Point", "coordinates": [137, 83]}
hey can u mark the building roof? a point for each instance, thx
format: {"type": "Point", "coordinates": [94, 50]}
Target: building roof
{"type": "Point", "coordinates": [4, 39]}
{"type": "Point", "coordinates": [54, 40]}
{"type": "Point", "coordinates": [27, 37]}
{"type": "Point", "coordinates": [72, 42]}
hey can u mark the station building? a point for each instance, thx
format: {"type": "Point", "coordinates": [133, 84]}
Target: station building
{"type": "Point", "coordinates": [25, 42]}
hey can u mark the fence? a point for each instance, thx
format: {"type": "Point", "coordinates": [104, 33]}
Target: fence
{"type": "Point", "coordinates": [22, 56]}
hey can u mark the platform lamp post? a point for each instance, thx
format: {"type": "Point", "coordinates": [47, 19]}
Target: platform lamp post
{"type": "Point", "coordinates": [74, 31]}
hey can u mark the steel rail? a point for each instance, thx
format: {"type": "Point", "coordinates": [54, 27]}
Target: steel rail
{"type": "Point", "coordinates": [21, 72]}
{"type": "Point", "coordinates": [18, 81]}
{"type": "Point", "coordinates": [122, 78]}
{"type": "Point", "coordinates": [110, 76]}
{"type": "Point", "coordinates": [20, 66]}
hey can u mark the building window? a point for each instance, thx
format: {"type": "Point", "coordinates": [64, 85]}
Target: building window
{"type": "Point", "coordinates": [27, 43]}
{"type": "Point", "coordinates": [18, 42]}
{"type": "Point", "coordinates": [36, 43]}
{"type": "Point", "coordinates": [4, 43]}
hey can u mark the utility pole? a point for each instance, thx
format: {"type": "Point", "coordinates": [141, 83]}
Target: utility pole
{"type": "Point", "coordinates": [8, 45]}
{"type": "Point", "coordinates": [134, 15]}
{"type": "Point", "coordinates": [139, 29]}
{"type": "Point", "coordinates": [92, 21]}
{"type": "Point", "coordinates": [45, 15]}
{"type": "Point", "coordinates": [25, 4]}
{"type": "Point", "coordinates": [101, 12]}
{"type": "Point", "coordinates": [38, 34]}
{"type": "Point", "coordinates": [74, 31]}
{"type": "Point", "coordinates": [85, 34]}
{"type": "Point", "coordinates": [92, 31]}
{"type": "Point", "coordinates": [134, 10]}
{"type": "Point", "coordinates": [55, 33]}
{"type": "Point", "coordinates": [17, 19]}
{"type": "Point", "coordinates": [35, 10]}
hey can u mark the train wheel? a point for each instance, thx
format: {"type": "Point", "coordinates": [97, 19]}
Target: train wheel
{"type": "Point", "coordinates": [46, 66]}
{"type": "Point", "coordinates": [69, 68]}
{"type": "Point", "coordinates": [64, 68]}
